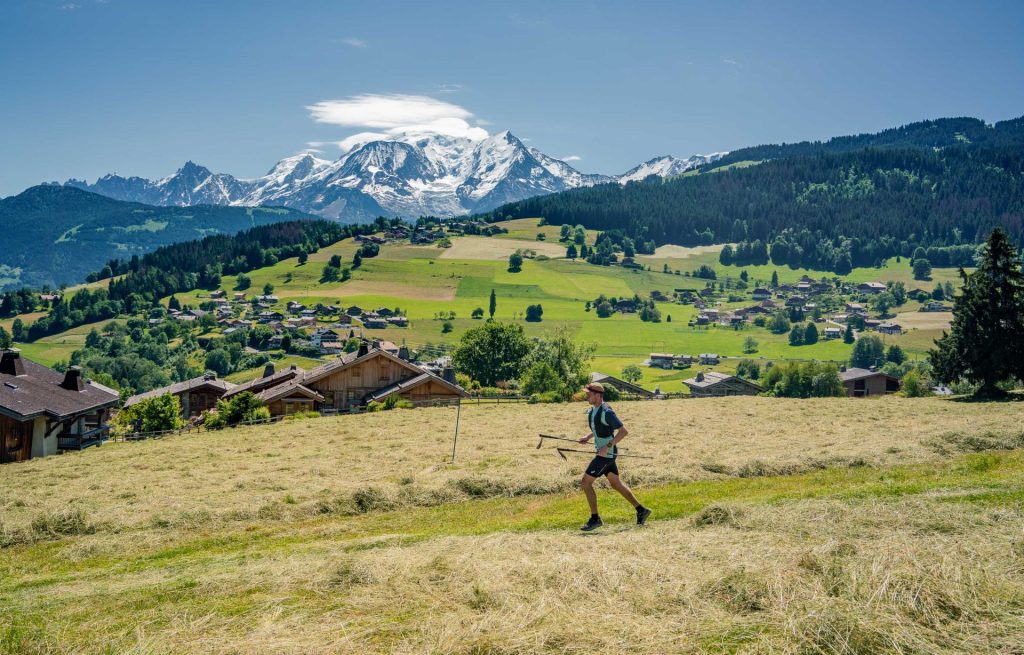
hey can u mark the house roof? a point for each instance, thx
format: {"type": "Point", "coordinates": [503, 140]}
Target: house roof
{"type": "Point", "coordinates": [851, 374]}
{"type": "Point", "coordinates": [711, 378]}
{"type": "Point", "coordinates": [181, 387]}
{"type": "Point", "coordinates": [349, 359]}
{"type": "Point", "coordinates": [38, 392]}
{"type": "Point", "coordinates": [292, 388]}
{"type": "Point", "coordinates": [616, 382]}
{"type": "Point", "coordinates": [411, 383]}
{"type": "Point", "coordinates": [261, 383]}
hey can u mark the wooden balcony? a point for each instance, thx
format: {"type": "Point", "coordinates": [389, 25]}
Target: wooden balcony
{"type": "Point", "coordinates": [94, 437]}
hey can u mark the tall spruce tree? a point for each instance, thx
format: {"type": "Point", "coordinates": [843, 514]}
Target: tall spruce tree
{"type": "Point", "coordinates": [985, 344]}
{"type": "Point", "coordinates": [493, 304]}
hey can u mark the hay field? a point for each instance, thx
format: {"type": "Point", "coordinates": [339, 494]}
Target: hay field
{"type": "Point", "coordinates": [355, 535]}
{"type": "Point", "coordinates": [488, 248]}
{"type": "Point", "coordinates": [406, 453]}
{"type": "Point", "coordinates": [682, 252]}
{"type": "Point", "coordinates": [924, 320]}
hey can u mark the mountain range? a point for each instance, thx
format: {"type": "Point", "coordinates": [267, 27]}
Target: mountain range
{"type": "Point", "coordinates": [410, 176]}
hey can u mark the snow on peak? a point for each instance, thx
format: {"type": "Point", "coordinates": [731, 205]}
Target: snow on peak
{"type": "Point", "coordinates": [411, 174]}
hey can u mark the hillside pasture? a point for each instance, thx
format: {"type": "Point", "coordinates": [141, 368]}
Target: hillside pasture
{"type": "Point", "coordinates": [775, 530]}
{"type": "Point", "coordinates": [489, 248]}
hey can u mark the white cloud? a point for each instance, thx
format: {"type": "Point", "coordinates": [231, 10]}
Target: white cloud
{"type": "Point", "coordinates": [731, 62]}
{"type": "Point", "coordinates": [571, 158]}
{"type": "Point", "coordinates": [70, 6]}
{"type": "Point", "coordinates": [449, 88]}
{"type": "Point", "coordinates": [392, 115]}
{"type": "Point", "coordinates": [354, 42]}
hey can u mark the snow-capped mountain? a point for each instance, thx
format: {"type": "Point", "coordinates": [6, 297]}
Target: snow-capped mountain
{"type": "Point", "coordinates": [410, 176]}
{"type": "Point", "coordinates": [668, 166]}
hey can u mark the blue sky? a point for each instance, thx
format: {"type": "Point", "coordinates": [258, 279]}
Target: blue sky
{"type": "Point", "coordinates": [138, 87]}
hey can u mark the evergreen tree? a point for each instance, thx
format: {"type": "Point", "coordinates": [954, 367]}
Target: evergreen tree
{"type": "Point", "coordinates": [895, 354]}
{"type": "Point", "coordinates": [5, 338]}
{"type": "Point", "coordinates": [775, 279]}
{"type": "Point", "coordinates": [796, 336]}
{"type": "Point", "coordinates": [493, 305]}
{"type": "Point", "coordinates": [357, 260]}
{"type": "Point", "coordinates": [268, 289]}
{"type": "Point", "coordinates": [303, 257]}
{"type": "Point", "coordinates": [848, 336]}
{"type": "Point", "coordinates": [985, 344]}
{"type": "Point", "coordinates": [867, 351]}
{"type": "Point", "coordinates": [726, 257]}
{"type": "Point", "coordinates": [570, 252]}
{"type": "Point", "coordinates": [811, 334]}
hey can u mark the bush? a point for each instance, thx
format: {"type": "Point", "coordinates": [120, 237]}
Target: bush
{"type": "Point", "coordinates": [151, 415]}
{"type": "Point", "coordinates": [242, 408]}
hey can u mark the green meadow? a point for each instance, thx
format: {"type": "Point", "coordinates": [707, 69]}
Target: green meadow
{"type": "Point", "coordinates": [424, 281]}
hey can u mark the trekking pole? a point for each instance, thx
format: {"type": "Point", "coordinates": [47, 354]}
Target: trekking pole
{"type": "Point", "coordinates": [562, 451]}
{"type": "Point", "coordinates": [575, 441]}
{"type": "Point", "coordinates": [551, 436]}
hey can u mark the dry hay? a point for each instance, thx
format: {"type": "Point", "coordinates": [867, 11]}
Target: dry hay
{"type": "Point", "coordinates": [497, 249]}
{"type": "Point", "coordinates": [400, 458]}
{"type": "Point", "coordinates": [924, 320]}
{"type": "Point", "coordinates": [670, 251]}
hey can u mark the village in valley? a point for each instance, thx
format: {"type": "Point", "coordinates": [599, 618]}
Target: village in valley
{"type": "Point", "coordinates": [312, 353]}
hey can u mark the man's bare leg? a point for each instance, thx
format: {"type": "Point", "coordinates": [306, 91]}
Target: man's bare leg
{"type": "Point", "coordinates": [620, 486]}
{"type": "Point", "coordinates": [588, 489]}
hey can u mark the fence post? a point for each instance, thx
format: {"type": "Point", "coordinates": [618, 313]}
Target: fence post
{"type": "Point", "coordinates": [458, 414]}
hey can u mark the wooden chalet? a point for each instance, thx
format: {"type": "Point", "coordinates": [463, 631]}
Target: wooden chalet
{"type": "Point", "coordinates": [373, 373]}
{"type": "Point", "coordinates": [863, 382]}
{"type": "Point", "coordinates": [197, 395]}
{"type": "Point", "coordinates": [43, 411]}
{"type": "Point", "coordinates": [349, 382]}
{"type": "Point", "coordinates": [712, 384]}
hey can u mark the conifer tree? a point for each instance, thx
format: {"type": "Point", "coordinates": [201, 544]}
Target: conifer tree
{"type": "Point", "coordinates": [985, 344]}
{"type": "Point", "coordinates": [493, 304]}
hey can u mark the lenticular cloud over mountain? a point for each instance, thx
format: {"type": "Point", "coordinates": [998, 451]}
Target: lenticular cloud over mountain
{"type": "Point", "coordinates": [394, 115]}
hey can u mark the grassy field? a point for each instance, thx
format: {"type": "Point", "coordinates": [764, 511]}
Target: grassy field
{"type": "Point", "coordinates": [889, 526]}
{"type": "Point", "coordinates": [425, 280]}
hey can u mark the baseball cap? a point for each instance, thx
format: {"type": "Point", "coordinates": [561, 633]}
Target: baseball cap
{"type": "Point", "coordinates": [596, 387]}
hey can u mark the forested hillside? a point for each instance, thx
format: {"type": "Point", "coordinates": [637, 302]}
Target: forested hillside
{"type": "Point", "coordinates": [54, 235]}
{"type": "Point", "coordinates": [828, 210]}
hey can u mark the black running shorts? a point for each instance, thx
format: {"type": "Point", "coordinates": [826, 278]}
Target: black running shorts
{"type": "Point", "coordinates": [602, 466]}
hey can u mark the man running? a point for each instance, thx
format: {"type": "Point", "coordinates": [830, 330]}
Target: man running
{"type": "Point", "coordinates": [607, 431]}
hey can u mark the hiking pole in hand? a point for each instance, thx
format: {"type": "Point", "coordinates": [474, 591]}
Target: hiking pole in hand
{"type": "Point", "coordinates": [562, 451]}
{"type": "Point", "coordinates": [551, 436]}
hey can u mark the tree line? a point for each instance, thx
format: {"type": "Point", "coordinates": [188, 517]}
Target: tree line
{"type": "Point", "coordinates": [829, 211]}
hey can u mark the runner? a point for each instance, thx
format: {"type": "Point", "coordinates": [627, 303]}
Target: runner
{"type": "Point", "coordinates": [607, 431]}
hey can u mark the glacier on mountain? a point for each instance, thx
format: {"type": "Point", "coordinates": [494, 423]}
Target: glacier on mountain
{"type": "Point", "coordinates": [411, 175]}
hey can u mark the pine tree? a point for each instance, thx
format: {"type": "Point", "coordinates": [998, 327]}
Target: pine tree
{"type": "Point", "coordinates": [848, 334]}
{"type": "Point", "coordinates": [775, 279]}
{"type": "Point", "coordinates": [985, 344]}
{"type": "Point", "coordinates": [811, 334]}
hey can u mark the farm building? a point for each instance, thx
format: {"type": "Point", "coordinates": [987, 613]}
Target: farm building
{"type": "Point", "coordinates": [371, 373]}
{"type": "Point", "coordinates": [871, 287]}
{"type": "Point", "coordinates": [621, 385]}
{"type": "Point", "coordinates": [711, 384]}
{"type": "Point", "coordinates": [890, 328]}
{"type": "Point", "coordinates": [861, 382]}
{"type": "Point", "coordinates": [833, 332]}
{"type": "Point", "coordinates": [43, 411]}
{"type": "Point", "coordinates": [661, 360]}
{"type": "Point", "coordinates": [709, 358]}
{"type": "Point", "coordinates": [196, 395]}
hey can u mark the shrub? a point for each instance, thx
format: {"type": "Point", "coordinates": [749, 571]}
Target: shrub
{"type": "Point", "coordinates": [242, 408]}
{"type": "Point", "coordinates": [151, 415]}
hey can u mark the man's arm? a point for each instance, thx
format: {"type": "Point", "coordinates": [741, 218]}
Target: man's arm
{"type": "Point", "coordinates": [620, 434]}
{"type": "Point", "coordinates": [586, 438]}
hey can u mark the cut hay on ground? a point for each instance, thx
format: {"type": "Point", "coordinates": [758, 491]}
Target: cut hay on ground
{"type": "Point", "coordinates": [496, 249]}
{"type": "Point", "coordinates": [924, 320]}
{"type": "Point", "coordinates": [681, 252]}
